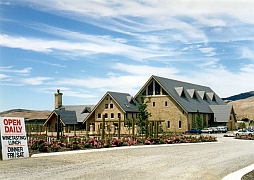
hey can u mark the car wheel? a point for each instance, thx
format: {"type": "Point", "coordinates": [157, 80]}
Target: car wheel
{"type": "Point", "coordinates": [249, 134]}
{"type": "Point", "coordinates": [237, 134]}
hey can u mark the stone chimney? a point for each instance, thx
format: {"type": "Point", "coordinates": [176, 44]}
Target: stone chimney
{"type": "Point", "coordinates": [58, 99]}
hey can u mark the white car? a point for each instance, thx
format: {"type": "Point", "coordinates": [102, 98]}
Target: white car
{"type": "Point", "coordinates": [244, 132]}
{"type": "Point", "coordinates": [207, 130]}
{"type": "Point", "coordinates": [222, 129]}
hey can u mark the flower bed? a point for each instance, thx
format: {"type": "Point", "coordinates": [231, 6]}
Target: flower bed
{"type": "Point", "coordinates": [245, 137]}
{"type": "Point", "coordinates": [39, 144]}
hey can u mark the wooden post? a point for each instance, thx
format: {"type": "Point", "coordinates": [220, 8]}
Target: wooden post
{"type": "Point", "coordinates": [46, 131]}
{"type": "Point", "coordinates": [74, 129]}
{"type": "Point", "coordinates": [146, 128]}
{"type": "Point", "coordinates": [87, 129]}
{"type": "Point", "coordinates": [156, 129]}
{"type": "Point", "coordinates": [103, 127]}
{"type": "Point", "coordinates": [133, 127]}
{"type": "Point", "coordinates": [57, 127]}
{"type": "Point", "coordinates": [119, 127]}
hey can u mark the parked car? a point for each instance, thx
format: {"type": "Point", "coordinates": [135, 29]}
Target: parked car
{"type": "Point", "coordinates": [215, 129]}
{"type": "Point", "coordinates": [244, 132]}
{"type": "Point", "coordinates": [222, 129]}
{"type": "Point", "coordinates": [193, 131]}
{"type": "Point", "coordinates": [207, 130]}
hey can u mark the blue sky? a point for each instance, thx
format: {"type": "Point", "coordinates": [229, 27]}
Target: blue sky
{"type": "Point", "coordinates": [86, 48]}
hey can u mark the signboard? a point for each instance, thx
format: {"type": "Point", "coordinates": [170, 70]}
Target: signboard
{"type": "Point", "coordinates": [13, 138]}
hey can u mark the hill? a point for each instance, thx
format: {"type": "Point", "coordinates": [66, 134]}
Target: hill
{"type": "Point", "coordinates": [239, 96]}
{"type": "Point", "coordinates": [27, 114]}
{"type": "Point", "coordinates": [244, 108]}
{"type": "Point", "coordinates": [243, 105]}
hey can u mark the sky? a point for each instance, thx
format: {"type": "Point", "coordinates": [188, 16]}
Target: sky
{"type": "Point", "coordinates": [86, 48]}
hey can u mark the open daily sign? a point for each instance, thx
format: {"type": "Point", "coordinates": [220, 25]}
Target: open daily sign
{"type": "Point", "coordinates": [13, 138]}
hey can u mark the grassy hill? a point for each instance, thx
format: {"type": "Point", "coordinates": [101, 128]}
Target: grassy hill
{"type": "Point", "coordinates": [27, 114]}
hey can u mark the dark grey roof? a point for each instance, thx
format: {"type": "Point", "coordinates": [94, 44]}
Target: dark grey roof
{"type": "Point", "coordinates": [221, 112]}
{"type": "Point", "coordinates": [204, 96]}
{"type": "Point", "coordinates": [68, 117]}
{"type": "Point", "coordinates": [125, 100]}
{"type": "Point", "coordinates": [81, 111]}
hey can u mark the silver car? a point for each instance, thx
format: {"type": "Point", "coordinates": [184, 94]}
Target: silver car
{"type": "Point", "coordinates": [243, 132]}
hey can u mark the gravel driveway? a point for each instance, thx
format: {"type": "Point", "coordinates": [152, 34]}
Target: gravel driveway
{"type": "Point", "coordinates": [184, 161]}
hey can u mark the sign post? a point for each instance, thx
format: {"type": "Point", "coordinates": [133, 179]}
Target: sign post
{"type": "Point", "coordinates": [13, 138]}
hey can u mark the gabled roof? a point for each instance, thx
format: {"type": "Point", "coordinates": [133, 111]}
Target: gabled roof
{"type": "Point", "coordinates": [81, 111]}
{"type": "Point", "coordinates": [188, 103]}
{"type": "Point", "coordinates": [66, 117]}
{"type": "Point", "coordinates": [221, 112]}
{"type": "Point", "coordinates": [70, 115]}
{"type": "Point", "coordinates": [124, 100]}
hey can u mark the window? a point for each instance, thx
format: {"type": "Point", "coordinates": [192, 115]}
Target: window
{"type": "Point", "coordinates": [144, 93]}
{"type": "Point", "coordinates": [106, 106]}
{"type": "Point", "coordinates": [157, 89]}
{"type": "Point", "coordinates": [106, 115]}
{"type": "Point", "coordinates": [180, 124]}
{"type": "Point", "coordinates": [168, 124]}
{"type": "Point", "coordinates": [153, 104]}
{"type": "Point", "coordinates": [119, 115]}
{"type": "Point", "coordinates": [150, 89]}
{"type": "Point", "coordinates": [99, 115]}
{"type": "Point", "coordinates": [112, 115]}
{"type": "Point", "coordinates": [164, 92]}
{"type": "Point", "coordinates": [111, 106]}
{"type": "Point", "coordinates": [110, 98]}
{"type": "Point", "coordinates": [166, 103]}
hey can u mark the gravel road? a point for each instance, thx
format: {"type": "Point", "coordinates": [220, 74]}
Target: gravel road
{"type": "Point", "coordinates": [185, 161]}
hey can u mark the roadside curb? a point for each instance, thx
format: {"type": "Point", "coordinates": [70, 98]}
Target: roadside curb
{"type": "Point", "coordinates": [237, 175]}
{"type": "Point", "coordinates": [115, 148]}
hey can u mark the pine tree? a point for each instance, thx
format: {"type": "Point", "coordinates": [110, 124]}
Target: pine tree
{"type": "Point", "coordinates": [143, 115]}
{"type": "Point", "coordinates": [199, 124]}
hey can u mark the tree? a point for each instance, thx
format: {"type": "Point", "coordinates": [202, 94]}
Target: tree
{"type": "Point", "coordinates": [242, 125]}
{"type": "Point", "coordinates": [143, 115]}
{"type": "Point", "coordinates": [199, 124]}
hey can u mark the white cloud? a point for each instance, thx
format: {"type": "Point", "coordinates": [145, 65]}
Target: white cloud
{"type": "Point", "coordinates": [4, 77]}
{"type": "Point", "coordinates": [10, 69]}
{"type": "Point", "coordinates": [247, 53]}
{"type": "Point", "coordinates": [36, 80]}
{"type": "Point", "coordinates": [48, 63]}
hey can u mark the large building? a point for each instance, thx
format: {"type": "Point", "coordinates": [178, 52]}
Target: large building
{"type": "Point", "coordinates": [176, 104]}
{"type": "Point", "coordinates": [174, 107]}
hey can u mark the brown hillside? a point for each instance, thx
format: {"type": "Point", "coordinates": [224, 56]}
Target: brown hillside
{"type": "Point", "coordinates": [27, 114]}
{"type": "Point", "coordinates": [244, 108]}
